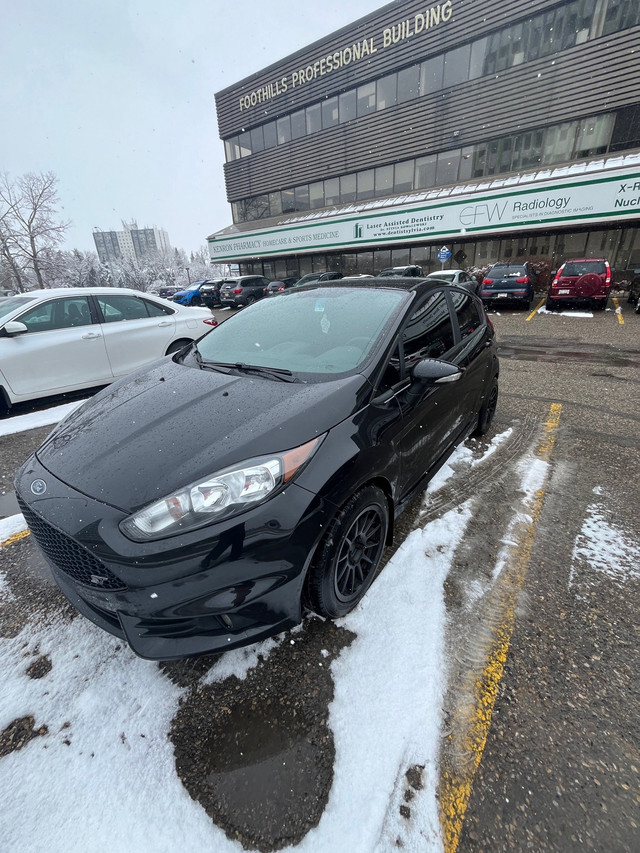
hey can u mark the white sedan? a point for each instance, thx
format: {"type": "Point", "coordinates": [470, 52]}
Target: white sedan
{"type": "Point", "coordinates": [67, 339]}
{"type": "Point", "coordinates": [456, 277]}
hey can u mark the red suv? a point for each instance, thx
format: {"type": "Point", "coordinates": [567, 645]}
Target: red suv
{"type": "Point", "coordinates": [581, 280]}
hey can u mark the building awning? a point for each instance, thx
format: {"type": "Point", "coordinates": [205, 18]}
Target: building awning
{"type": "Point", "coordinates": [597, 191]}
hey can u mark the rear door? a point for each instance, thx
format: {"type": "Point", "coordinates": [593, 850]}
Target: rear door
{"type": "Point", "coordinates": [136, 330]}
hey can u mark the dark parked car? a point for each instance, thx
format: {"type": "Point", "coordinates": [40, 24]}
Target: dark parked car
{"type": "Point", "coordinates": [313, 420]}
{"type": "Point", "coordinates": [279, 286]}
{"type": "Point", "coordinates": [312, 277]}
{"type": "Point", "coordinates": [509, 282]}
{"type": "Point", "coordinates": [210, 293]}
{"type": "Point", "coordinates": [411, 271]}
{"type": "Point", "coordinates": [243, 290]}
{"type": "Point", "coordinates": [581, 280]}
{"type": "Point", "coordinates": [633, 297]}
{"type": "Point", "coordinates": [168, 292]}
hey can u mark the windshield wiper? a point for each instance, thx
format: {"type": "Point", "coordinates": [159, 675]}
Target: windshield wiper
{"type": "Point", "coordinates": [226, 366]}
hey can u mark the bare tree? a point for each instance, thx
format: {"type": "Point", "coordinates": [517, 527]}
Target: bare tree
{"type": "Point", "coordinates": [30, 228]}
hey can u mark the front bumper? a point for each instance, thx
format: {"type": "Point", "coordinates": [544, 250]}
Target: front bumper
{"type": "Point", "coordinates": [225, 585]}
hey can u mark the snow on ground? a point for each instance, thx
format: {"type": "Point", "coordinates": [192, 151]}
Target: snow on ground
{"type": "Point", "coordinates": [102, 778]}
{"type": "Point", "coordinates": [543, 310]}
{"type": "Point", "coordinates": [603, 548]}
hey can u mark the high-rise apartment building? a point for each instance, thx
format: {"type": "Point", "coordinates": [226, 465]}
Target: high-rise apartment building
{"type": "Point", "coordinates": [131, 242]}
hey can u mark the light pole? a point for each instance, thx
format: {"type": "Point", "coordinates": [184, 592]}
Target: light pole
{"type": "Point", "coordinates": [188, 275]}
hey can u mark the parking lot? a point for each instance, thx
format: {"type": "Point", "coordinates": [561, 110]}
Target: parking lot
{"type": "Point", "coordinates": [514, 710]}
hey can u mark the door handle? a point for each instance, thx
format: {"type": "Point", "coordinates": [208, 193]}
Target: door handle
{"type": "Point", "coordinates": [165, 323]}
{"type": "Point", "coordinates": [90, 336]}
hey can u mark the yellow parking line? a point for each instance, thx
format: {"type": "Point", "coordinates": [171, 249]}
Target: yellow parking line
{"type": "Point", "coordinates": [455, 786]}
{"type": "Point", "coordinates": [616, 305]}
{"type": "Point", "coordinates": [536, 309]}
{"type": "Point", "coordinates": [15, 538]}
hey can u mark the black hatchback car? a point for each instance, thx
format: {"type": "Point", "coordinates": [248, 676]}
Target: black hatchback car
{"type": "Point", "coordinates": [242, 291]}
{"type": "Point", "coordinates": [509, 282]}
{"type": "Point", "coordinates": [300, 429]}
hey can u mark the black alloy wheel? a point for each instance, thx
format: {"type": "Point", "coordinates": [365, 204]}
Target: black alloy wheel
{"type": "Point", "coordinates": [250, 300]}
{"type": "Point", "coordinates": [487, 410]}
{"type": "Point", "coordinates": [349, 554]}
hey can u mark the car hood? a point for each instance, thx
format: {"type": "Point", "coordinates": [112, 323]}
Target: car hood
{"type": "Point", "coordinates": [165, 427]}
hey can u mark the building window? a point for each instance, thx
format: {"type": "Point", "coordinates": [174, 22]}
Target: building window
{"type": "Point", "coordinates": [330, 112]}
{"type": "Point", "coordinates": [298, 124]}
{"type": "Point", "coordinates": [431, 73]}
{"type": "Point", "coordinates": [316, 195]}
{"type": "Point", "coordinates": [284, 129]}
{"type": "Point", "coordinates": [288, 201]}
{"type": "Point", "coordinates": [366, 98]}
{"type": "Point", "coordinates": [447, 168]}
{"type": "Point", "coordinates": [347, 106]}
{"type": "Point", "coordinates": [408, 84]}
{"type": "Point", "coordinates": [270, 135]}
{"type": "Point", "coordinates": [257, 140]}
{"type": "Point", "coordinates": [425, 172]}
{"type": "Point", "coordinates": [347, 188]}
{"type": "Point", "coordinates": [314, 119]}
{"type": "Point", "coordinates": [386, 92]}
{"type": "Point", "coordinates": [456, 66]}
{"type": "Point", "coordinates": [366, 184]}
{"type": "Point", "coordinates": [332, 191]}
{"type": "Point", "coordinates": [384, 181]}
{"type": "Point", "coordinates": [403, 176]}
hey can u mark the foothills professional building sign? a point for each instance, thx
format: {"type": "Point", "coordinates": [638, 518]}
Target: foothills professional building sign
{"type": "Point", "coordinates": [605, 198]}
{"type": "Point", "coordinates": [432, 17]}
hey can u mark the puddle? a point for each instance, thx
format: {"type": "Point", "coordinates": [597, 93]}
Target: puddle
{"type": "Point", "coordinates": [257, 753]}
{"type": "Point", "coordinates": [559, 355]}
{"type": "Point", "coordinates": [275, 754]}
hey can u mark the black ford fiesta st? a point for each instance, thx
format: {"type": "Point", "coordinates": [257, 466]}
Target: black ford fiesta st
{"type": "Point", "coordinates": [203, 503]}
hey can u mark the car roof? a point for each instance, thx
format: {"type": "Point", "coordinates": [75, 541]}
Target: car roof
{"type": "Point", "coordinates": [586, 260]}
{"type": "Point", "coordinates": [408, 284]}
{"type": "Point", "coordinates": [82, 291]}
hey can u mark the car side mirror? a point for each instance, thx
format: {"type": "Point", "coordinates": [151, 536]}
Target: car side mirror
{"type": "Point", "coordinates": [13, 328]}
{"type": "Point", "coordinates": [432, 371]}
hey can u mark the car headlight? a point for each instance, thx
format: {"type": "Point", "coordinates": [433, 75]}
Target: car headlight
{"type": "Point", "coordinates": [223, 494]}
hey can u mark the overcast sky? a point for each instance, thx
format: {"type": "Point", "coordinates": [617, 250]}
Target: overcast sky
{"type": "Point", "coordinates": [116, 97]}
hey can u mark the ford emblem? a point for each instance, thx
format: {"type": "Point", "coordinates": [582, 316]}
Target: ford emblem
{"type": "Point", "coordinates": [38, 487]}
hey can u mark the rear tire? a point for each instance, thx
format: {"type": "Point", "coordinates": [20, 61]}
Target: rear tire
{"type": "Point", "coordinates": [550, 304]}
{"type": "Point", "coordinates": [487, 410]}
{"type": "Point", "coordinates": [349, 555]}
{"type": "Point", "coordinates": [177, 345]}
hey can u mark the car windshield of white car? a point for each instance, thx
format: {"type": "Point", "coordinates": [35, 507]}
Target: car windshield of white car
{"type": "Point", "coordinates": [320, 333]}
{"type": "Point", "coordinates": [9, 305]}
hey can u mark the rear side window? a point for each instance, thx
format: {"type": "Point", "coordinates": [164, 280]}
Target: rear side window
{"type": "Point", "coordinates": [467, 312]}
{"type": "Point", "coordinates": [121, 307]}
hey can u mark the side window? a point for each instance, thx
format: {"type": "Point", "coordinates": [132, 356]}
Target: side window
{"type": "Point", "coordinates": [116, 308]}
{"type": "Point", "coordinates": [467, 312]}
{"type": "Point", "coordinates": [57, 314]}
{"type": "Point", "coordinates": [429, 333]}
{"type": "Point", "coordinates": [155, 310]}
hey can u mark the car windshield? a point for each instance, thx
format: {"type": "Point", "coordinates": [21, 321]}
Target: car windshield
{"type": "Point", "coordinates": [322, 332]}
{"type": "Point", "coordinates": [9, 305]}
{"type": "Point", "coordinates": [584, 267]}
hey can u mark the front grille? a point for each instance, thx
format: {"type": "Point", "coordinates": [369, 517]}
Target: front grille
{"type": "Point", "coordinates": [65, 553]}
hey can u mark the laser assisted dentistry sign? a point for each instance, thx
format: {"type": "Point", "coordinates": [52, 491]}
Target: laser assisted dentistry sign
{"type": "Point", "coordinates": [606, 197]}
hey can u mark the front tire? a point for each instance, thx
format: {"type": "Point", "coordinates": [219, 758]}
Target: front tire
{"type": "Point", "coordinates": [350, 553]}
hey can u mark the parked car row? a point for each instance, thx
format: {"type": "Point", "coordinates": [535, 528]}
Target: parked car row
{"type": "Point", "coordinates": [576, 281]}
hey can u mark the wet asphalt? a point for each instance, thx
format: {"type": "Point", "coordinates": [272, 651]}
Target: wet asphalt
{"type": "Point", "coordinates": [560, 769]}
